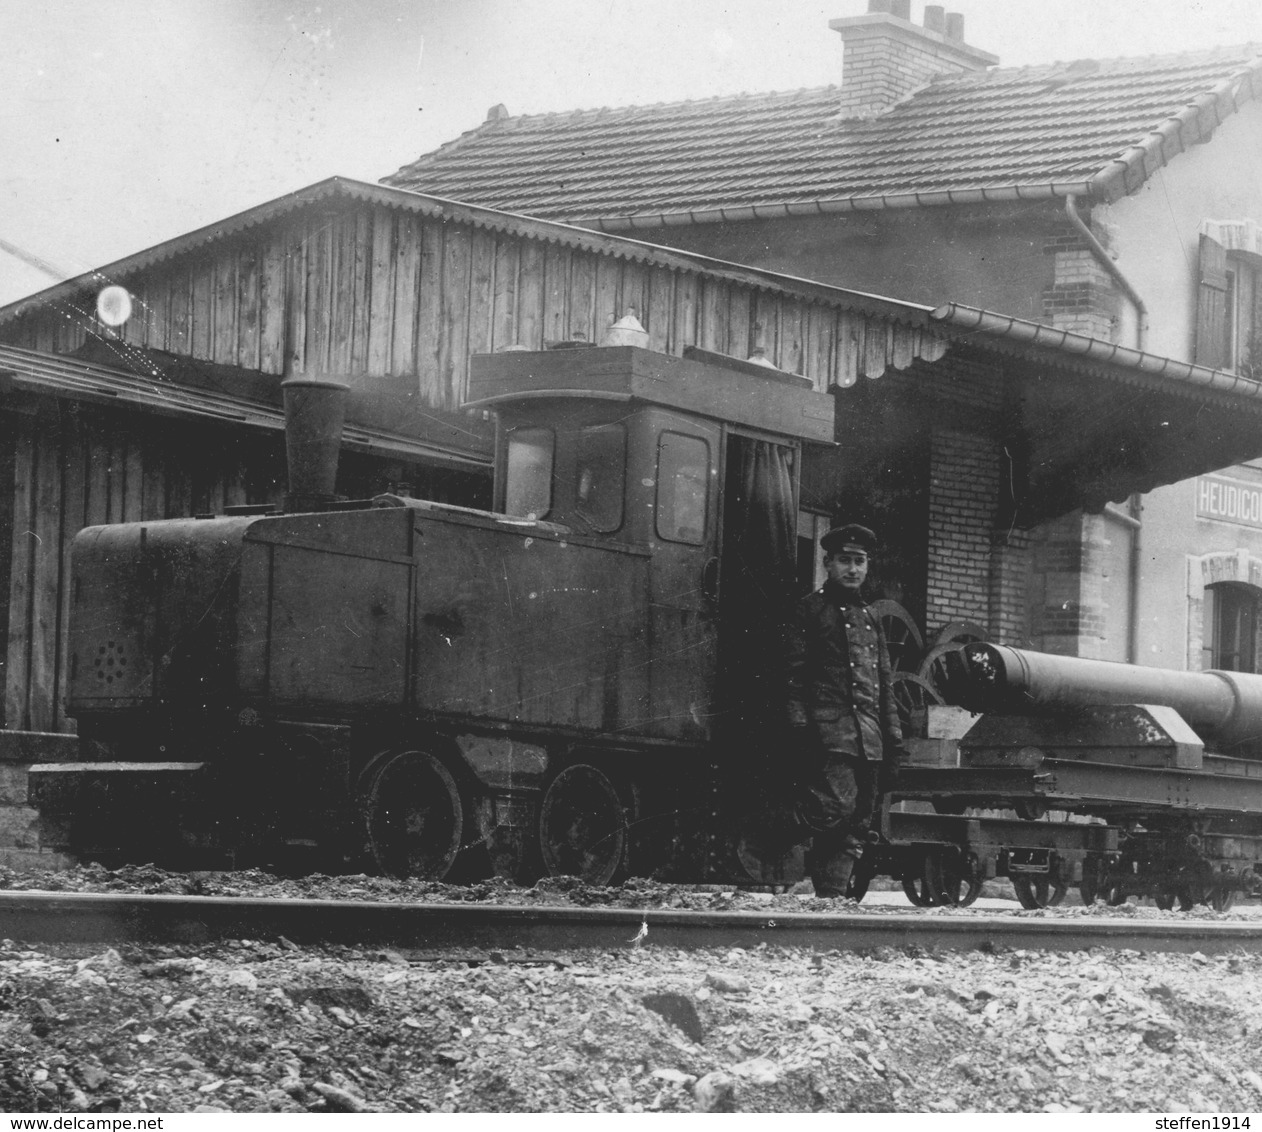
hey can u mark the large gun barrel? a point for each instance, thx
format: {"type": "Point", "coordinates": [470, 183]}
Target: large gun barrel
{"type": "Point", "coordinates": [996, 678]}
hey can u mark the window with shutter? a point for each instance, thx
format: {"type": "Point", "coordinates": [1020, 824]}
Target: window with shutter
{"type": "Point", "coordinates": [1231, 627]}
{"type": "Point", "coordinates": [1211, 306]}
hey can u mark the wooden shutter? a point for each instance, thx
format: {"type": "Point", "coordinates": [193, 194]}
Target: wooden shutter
{"type": "Point", "coordinates": [1211, 305]}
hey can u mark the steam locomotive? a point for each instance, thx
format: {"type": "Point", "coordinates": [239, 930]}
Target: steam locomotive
{"type": "Point", "coordinates": [584, 680]}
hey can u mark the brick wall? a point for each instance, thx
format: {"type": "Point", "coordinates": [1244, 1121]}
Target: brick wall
{"type": "Point", "coordinates": [1066, 597]}
{"type": "Point", "coordinates": [1082, 298]}
{"type": "Point", "coordinates": [964, 479]}
{"type": "Point", "coordinates": [1009, 588]}
{"type": "Point", "coordinates": [878, 70]}
{"type": "Point", "coordinates": [19, 823]}
{"type": "Point", "coordinates": [978, 567]}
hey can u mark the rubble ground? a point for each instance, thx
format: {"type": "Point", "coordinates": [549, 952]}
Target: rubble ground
{"type": "Point", "coordinates": [266, 1026]}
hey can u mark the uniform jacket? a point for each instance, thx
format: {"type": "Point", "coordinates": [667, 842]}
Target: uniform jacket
{"type": "Point", "coordinates": [839, 675]}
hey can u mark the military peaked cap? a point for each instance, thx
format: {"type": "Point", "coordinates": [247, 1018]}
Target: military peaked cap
{"type": "Point", "coordinates": [851, 534]}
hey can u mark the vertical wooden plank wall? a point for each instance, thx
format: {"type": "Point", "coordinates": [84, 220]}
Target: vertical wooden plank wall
{"type": "Point", "coordinates": [369, 292]}
{"type": "Point", "coordinates": [73, 469]}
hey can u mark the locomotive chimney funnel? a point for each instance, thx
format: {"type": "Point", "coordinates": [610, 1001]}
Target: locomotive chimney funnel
{"type": "Point", "coordinates": [315, 408]}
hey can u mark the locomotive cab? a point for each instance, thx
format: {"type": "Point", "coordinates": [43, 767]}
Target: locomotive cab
{"type": "Point", "coordinates": [694, 459]}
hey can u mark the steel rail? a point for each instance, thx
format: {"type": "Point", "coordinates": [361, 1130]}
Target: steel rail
{"type": "Point", "coordinates": [101, 918]}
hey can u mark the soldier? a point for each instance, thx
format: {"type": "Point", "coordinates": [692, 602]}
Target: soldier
{"type": "Point", "coordinates": [842, 709]}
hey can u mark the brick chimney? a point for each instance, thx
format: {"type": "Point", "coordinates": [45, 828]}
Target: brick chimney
{"type": "Point", "coordinates": [887, 57]}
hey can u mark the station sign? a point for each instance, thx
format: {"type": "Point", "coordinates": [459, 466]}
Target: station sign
{"type": "Point", "coordinates": [1229, 500]}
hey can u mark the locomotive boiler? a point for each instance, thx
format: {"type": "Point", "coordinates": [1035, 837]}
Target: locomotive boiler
{"type": "Point", "coordinates": [572, 683]}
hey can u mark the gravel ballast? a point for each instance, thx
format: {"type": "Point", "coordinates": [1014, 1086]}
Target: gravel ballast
{"type": "Point", "coordinates": [266, 1026]}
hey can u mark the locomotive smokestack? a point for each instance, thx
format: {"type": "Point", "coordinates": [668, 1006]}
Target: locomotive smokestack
{"type": "Point", "coordinates": [315, 408]}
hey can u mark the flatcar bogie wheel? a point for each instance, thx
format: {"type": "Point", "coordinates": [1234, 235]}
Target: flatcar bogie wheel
{"type": "Point", "coordinates": [1220, 897]}
{"type": "Point", "coordinates": [582, 825]}
{"type": "Point", "coordinates": [1090, 885]}
{"type": "Point", "coordinates": [950, 881]}
{"type": "Point", "coordinates": [906, 642]}
{"type": "Point", "coordinates": [1038, 891]}
{"type": "Point", "coordinates": [414, 815]}
{"type": "Point", "coordinates": [916, 888]}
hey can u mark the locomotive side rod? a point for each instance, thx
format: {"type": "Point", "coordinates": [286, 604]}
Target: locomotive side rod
{"type": "Point", "coordinates": [113, 917]}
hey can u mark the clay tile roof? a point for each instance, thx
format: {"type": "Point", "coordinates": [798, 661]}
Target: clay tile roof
{"type": "Point", "coordinates": [1096, 126]}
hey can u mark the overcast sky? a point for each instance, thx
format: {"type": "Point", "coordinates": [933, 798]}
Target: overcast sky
{"type": "Point", "coordinates": [126, 123]}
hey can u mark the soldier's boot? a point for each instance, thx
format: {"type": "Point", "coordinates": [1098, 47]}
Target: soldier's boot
{"type": "Point", "coordinates": [832, 878]}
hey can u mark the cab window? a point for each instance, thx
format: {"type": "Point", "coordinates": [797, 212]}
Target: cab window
{"type": "Point", "coordinates": [528, 486]}
{"type": "Point", "coordinates": [600, 475]}
{"type": "Point", "coordinates": [683, 464]}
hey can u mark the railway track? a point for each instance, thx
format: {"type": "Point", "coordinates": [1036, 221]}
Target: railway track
{"type": "Point", "coordinates": [58, 917]}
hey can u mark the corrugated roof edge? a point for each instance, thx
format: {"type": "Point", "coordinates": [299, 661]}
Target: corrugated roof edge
{"type": "Point", "coordinates": [1196, 379]}
{"type": "Point", "coordinates": [549, 231]}
{"type": "Point", "coordinates": [79, 380]}
{"type": "Point", "coordinates": [867, 203]}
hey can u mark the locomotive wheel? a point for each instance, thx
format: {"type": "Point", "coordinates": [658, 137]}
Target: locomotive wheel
{"type": "Point", "coordinates": [414, 816]}
{"type": "Point", "coordinates": [904, 639]}
{"type": "Point", "coordinates": [950, 881]}
{"type": "Point", "coordinates": [1038, 891]}
{"type": "Point", "coordinates": [582, 825]}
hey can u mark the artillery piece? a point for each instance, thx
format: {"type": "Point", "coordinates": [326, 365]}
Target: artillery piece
{"type": "Point", "coordinates": [1170, 760]}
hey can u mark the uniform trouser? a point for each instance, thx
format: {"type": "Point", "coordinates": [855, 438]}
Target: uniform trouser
{"type": "Point", "coordinates": [839, 804]}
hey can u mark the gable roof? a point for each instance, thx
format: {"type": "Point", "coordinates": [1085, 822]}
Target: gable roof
{"type": "Point", "coordinates": [476, 216]}
{"type": "Point", "coordinates": [1096, 128]}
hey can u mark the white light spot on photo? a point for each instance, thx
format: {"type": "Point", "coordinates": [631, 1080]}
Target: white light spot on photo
{"type": "Point", "coordinates": [113, 305]}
